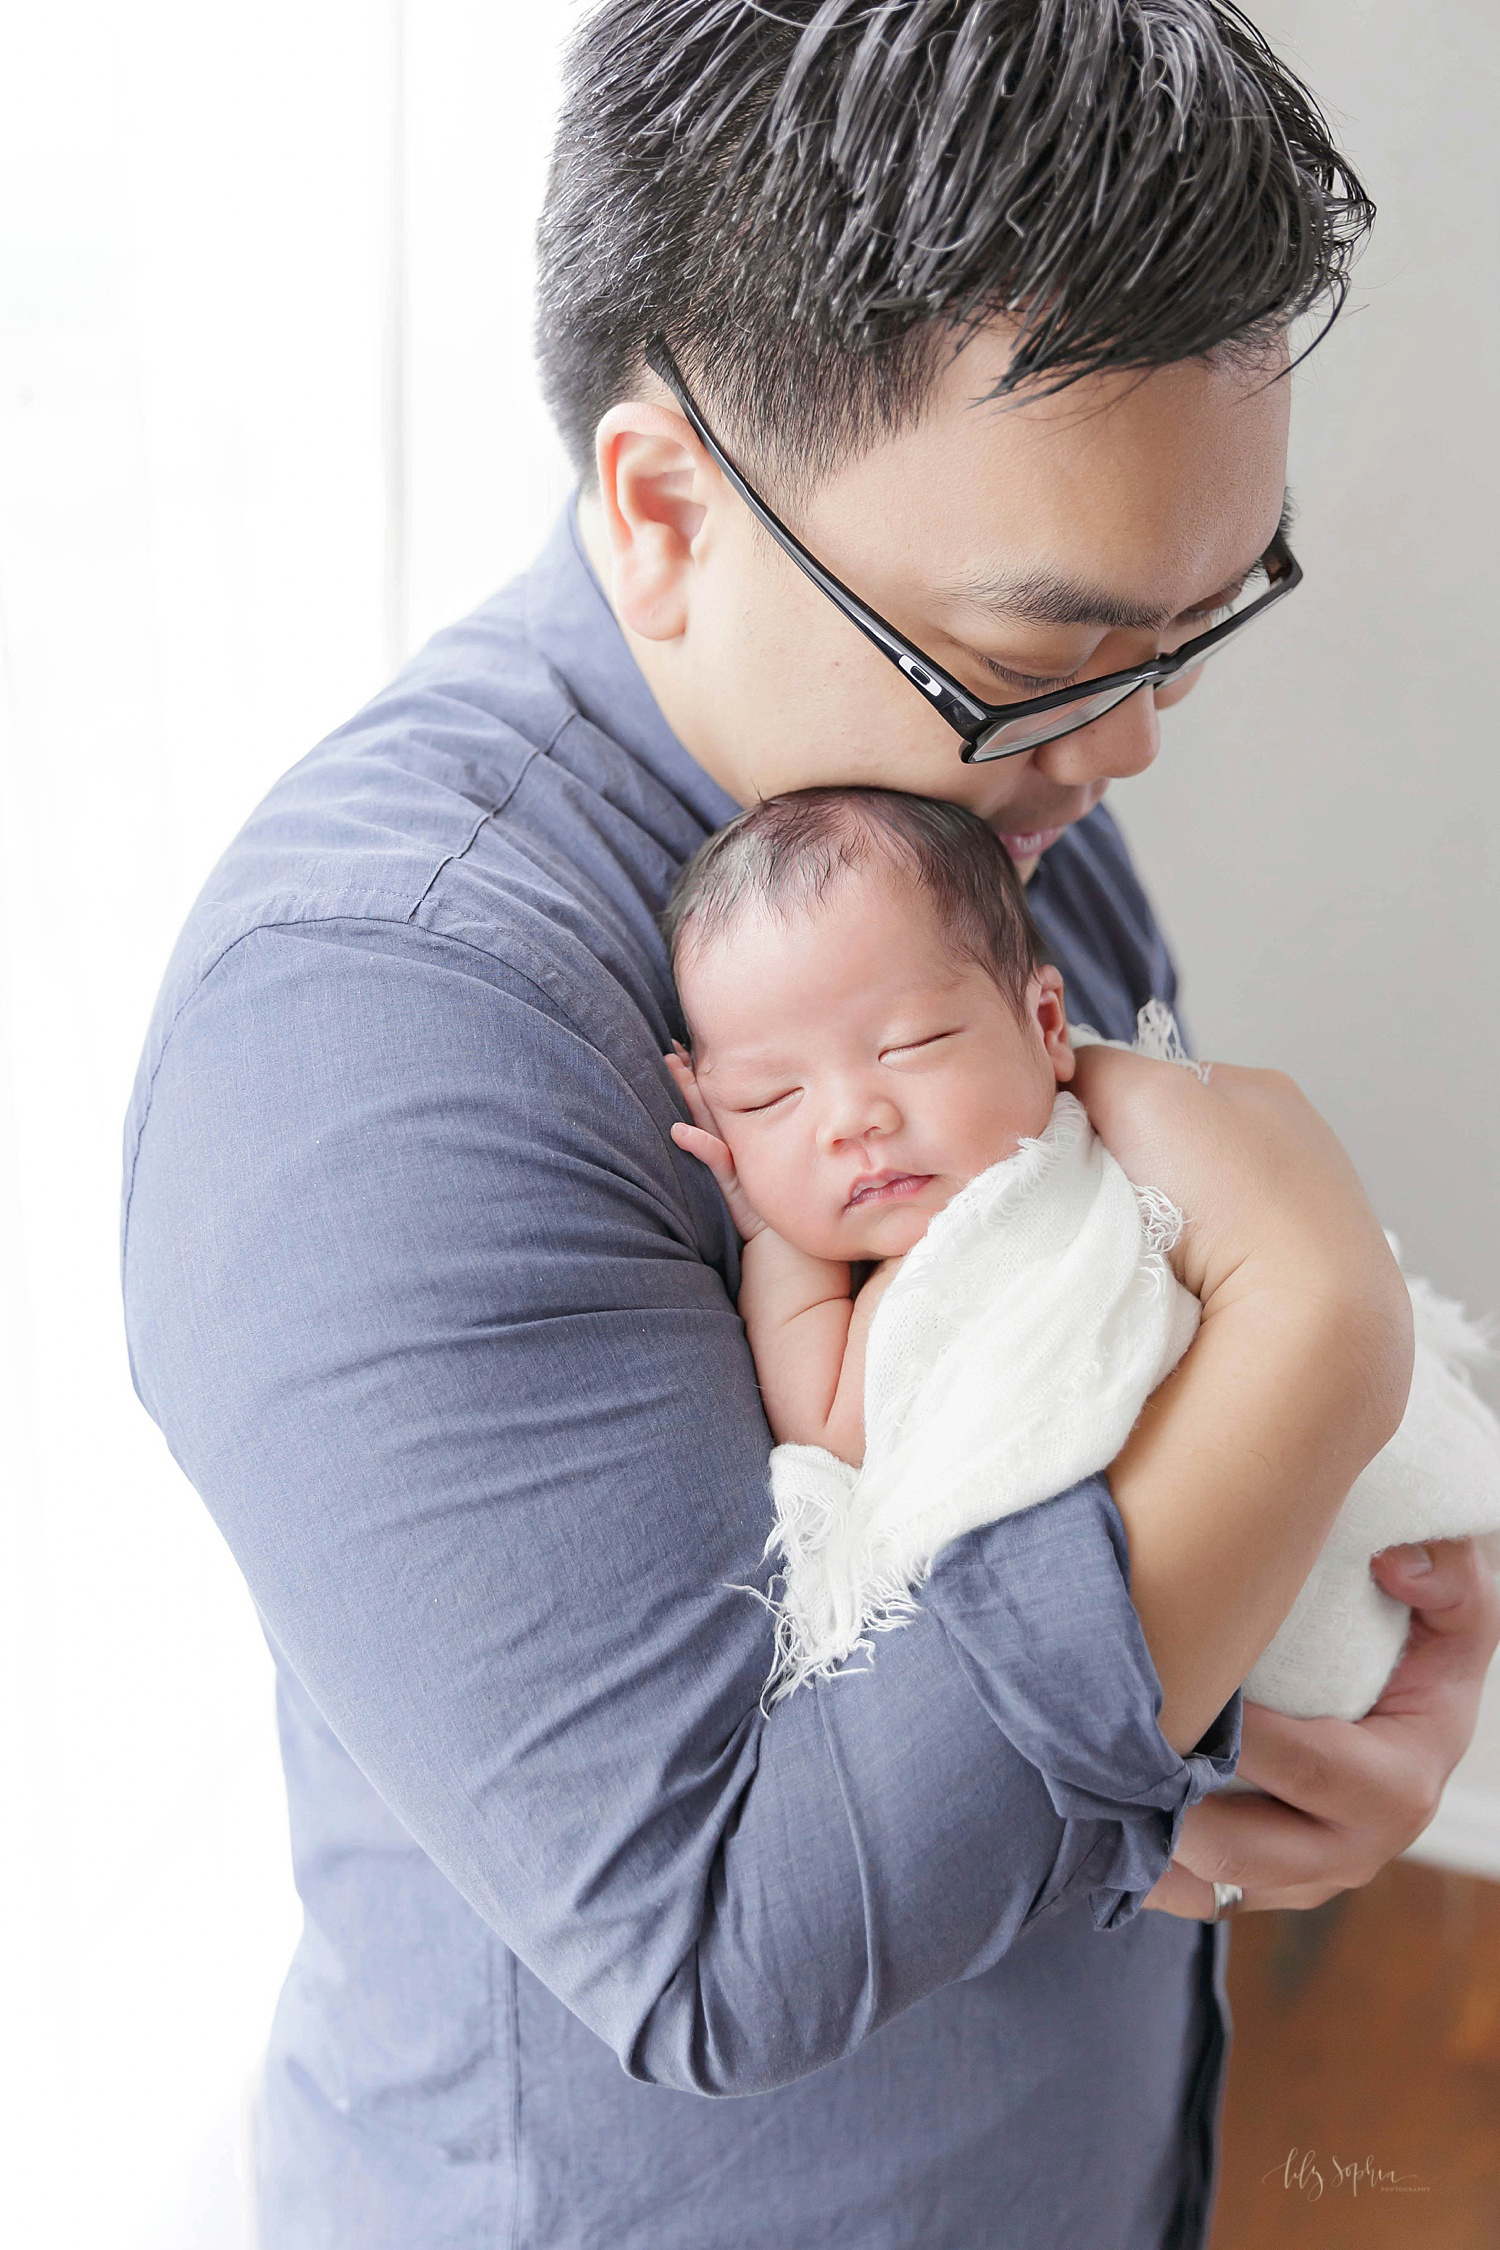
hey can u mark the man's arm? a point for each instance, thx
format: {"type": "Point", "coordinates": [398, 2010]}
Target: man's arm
{"type": "Point", "coordinates": [1339, 1800]}
{"type": "Point", "coordinates": [420, 1293]}
{"type": "Point", "coordinates": [1232, 1477]}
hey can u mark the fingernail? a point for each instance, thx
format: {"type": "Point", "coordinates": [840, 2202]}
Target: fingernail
{"type": "Point", "coordinates": [1416, 1562]}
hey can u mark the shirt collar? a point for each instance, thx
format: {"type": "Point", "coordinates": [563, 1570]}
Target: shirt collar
{"type": "Point", "coordinates": [571, 623]}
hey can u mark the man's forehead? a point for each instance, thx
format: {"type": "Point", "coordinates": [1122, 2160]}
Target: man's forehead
{"type": "Point", "coordinates": [1118, 503]}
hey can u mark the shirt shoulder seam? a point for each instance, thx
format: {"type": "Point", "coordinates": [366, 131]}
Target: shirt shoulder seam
{"type": "Point", "coordinates": [291, 927]}
{"type": "Point", "coordinates": [492, 812]}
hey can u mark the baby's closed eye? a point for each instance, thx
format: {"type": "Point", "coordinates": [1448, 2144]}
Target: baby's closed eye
{"type": "Point", "coordinates": [916, 1046]}
{"type": "Point", "coordinates": [759, 1106]}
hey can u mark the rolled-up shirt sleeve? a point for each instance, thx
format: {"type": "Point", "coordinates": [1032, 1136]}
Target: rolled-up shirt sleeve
{"type": "Point", "coordinates": [1059, 1589]}
{"type": "Point", "coordinates": [424, 1300]}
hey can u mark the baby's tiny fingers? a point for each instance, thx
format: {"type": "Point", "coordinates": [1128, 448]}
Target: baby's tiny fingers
{"type": "Point", "coordinates": [708, 1149]}
{"type": "Point", "coordinates": [683, 1077]}
{"type": "Point", "coordinates": [713, 1152]}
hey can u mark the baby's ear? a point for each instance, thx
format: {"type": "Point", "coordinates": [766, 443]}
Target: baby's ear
{"type": "Point", "coordinates": [1049, 1012]}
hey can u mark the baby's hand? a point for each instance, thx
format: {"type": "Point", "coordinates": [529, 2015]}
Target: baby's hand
{"type": "Point", "coordinates": [699, 1139]}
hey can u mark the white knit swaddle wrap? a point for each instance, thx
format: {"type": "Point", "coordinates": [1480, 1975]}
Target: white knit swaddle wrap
{"type": "Point", "coordinates": [1009, 1359]}
{"type": "Point", "coordinates": [1439, 1478]}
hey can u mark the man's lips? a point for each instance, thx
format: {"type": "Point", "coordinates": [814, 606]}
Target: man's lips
{"type": "Point", "coordinates": [1028, 843]}
{"type": "Point", "coordinates": [887, 1187]}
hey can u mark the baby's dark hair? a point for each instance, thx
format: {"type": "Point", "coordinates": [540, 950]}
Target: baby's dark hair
{"type": "Point", "coordinates": [784, 853]}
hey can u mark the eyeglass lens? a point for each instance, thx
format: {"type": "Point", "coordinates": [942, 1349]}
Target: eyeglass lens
{"type": "Point", "coordinates": [1004, 740]}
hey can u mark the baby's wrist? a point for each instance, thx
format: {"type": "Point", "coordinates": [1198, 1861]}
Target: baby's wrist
{"type": "Point", "coordinates": [780, 1283]}
{"type": "Point", "coordinates": [772, 1251]}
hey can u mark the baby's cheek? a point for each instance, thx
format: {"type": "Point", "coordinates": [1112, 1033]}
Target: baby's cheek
{"type": "Point", "coordinates": [764, 1180]}
{"type": "Point", "coordinates": [790, 1196]}
{"type": "Point", "coordinates": [996, 1129]}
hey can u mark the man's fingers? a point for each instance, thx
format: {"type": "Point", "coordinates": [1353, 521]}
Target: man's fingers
{"type": "Point", "coordinates": [1437, 1684]}
{"type": "Point", "coordinates": [1376, 1782]}
{"type": "Point", "coordinates": [1182, 1893]}
{"type": "Point", "coordinates": [1323, 1766]}
{"type": "Point", "coordinates": [1455, 1622]}
{"type": "Point", "coordinates": [1265, 1847]}
{"type": "Point", "coordinates": [1439, 1579]}
{"type": "Point", "coordinates": [1369, 1787]}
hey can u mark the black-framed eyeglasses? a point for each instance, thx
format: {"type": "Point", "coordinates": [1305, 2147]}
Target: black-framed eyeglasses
{"type": "Point", "coordinates": [990, 730]}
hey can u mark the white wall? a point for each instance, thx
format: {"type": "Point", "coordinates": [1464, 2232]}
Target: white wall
{"type": "Point", "coordinates": [1322, 831]}
{"type": "Point", "coordinates": [266, 417]}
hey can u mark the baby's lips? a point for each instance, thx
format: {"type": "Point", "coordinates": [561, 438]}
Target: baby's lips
{"type": "Point", "coordinates": [867, 1188]}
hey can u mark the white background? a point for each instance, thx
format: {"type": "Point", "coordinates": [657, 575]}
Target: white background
{"type": "Point", "coordinates": [267, 416]}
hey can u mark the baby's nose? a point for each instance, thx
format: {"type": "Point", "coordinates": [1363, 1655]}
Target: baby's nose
{"type": "Point", "coordinates": [859, 1115]}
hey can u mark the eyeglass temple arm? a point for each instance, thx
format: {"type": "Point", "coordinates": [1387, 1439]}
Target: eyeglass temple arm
{"type": "Point", "coordinates": [963, 712]}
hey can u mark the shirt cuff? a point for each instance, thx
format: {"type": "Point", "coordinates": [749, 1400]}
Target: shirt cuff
{"type": "Point", "coordinates": [1038, 1610]}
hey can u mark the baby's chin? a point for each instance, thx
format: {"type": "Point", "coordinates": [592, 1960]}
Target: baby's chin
{"type": "Point", "coordinates": [890, 1230]}
{"type": "Point", "coordinates": [891, 1242]}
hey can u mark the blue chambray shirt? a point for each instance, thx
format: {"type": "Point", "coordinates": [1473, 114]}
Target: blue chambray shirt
{"type": "Point", "coordinates": [441, 1325]}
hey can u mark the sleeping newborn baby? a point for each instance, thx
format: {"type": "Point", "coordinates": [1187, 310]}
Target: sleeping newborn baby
{"type": "Point", "coordinates": [956, 1300]}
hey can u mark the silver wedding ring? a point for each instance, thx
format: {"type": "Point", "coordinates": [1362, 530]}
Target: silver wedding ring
{"type": "Point", "coordinates": [1227, 1896]}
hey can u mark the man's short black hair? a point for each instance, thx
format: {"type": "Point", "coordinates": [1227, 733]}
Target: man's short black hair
{"type": "Point", "coordinates": [785, 853]}
{"type": "Point", "coordinates": [813, 199]}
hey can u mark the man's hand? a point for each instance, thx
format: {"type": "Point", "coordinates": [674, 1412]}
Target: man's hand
{"type": "Point", "coordinates": [1341, 1799]}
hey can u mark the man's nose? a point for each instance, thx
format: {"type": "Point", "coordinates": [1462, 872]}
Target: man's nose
{"type": "Point", "coordinates": [1123, 742]}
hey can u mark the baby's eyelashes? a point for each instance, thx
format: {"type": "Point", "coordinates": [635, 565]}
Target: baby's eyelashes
{"type": "Point", "coordinates": [758, 1109]}
{"type": "Point", "coordinates": [916, 1046]}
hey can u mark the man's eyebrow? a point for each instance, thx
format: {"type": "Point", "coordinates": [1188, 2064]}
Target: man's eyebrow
{"type": "Point", "coordinates": [1042, 599]}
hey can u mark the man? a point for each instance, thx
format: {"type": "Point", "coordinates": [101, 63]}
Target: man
{"type": "Point", "coordinates": [443, 1328]}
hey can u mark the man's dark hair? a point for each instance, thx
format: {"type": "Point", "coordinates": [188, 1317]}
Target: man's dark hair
{"type": "Point", "coordinates": [813, 200]}
{"type": "Point", "coordinates": [786, 852]}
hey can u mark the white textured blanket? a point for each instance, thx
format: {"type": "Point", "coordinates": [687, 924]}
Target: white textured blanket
{"type": "Point", "coordinates": [1009, 1359]}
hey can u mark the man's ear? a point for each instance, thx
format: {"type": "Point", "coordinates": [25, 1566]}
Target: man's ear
{"type": "Point", "coordinates": [651, 472]}
{"type": "Point", "coordinates": [1050, 1014]}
